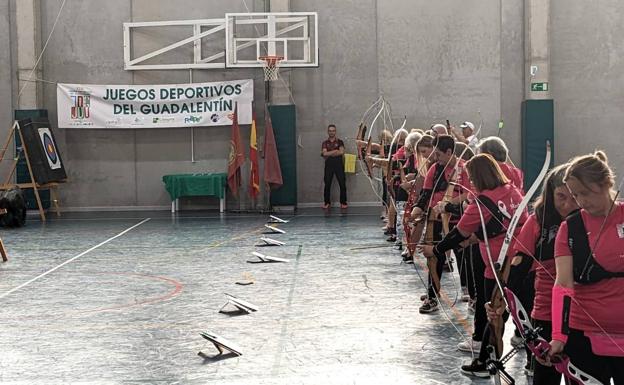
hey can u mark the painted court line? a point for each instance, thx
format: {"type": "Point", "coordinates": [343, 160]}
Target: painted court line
{"type": "Point", "coordinates": [72, 259]}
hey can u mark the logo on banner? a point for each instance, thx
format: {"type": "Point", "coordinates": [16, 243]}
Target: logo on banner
{"type": "Point", "coordinates": [192, 119]}
{"type": "Point", "coordinates": [49, 148]}
{"type": "Point", "coordinates": [81, 102]}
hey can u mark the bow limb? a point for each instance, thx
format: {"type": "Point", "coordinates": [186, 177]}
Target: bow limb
{"type": "Point", "coordinates": [513, 223]}
{"type": "Point", "coordinates": [367, 159]}
{"type": "Point", "coordinates": [358, 139]}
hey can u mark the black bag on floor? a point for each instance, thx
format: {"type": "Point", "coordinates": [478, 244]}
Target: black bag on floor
{"type": "Point", "coordinates": [13, 201]}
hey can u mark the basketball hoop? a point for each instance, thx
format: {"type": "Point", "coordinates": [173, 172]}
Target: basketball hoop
{"type": "Point", "coordinates": [271, 65]}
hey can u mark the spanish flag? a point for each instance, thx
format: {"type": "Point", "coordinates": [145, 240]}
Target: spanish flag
{"type": "Point", "coordinates": [254, 176]}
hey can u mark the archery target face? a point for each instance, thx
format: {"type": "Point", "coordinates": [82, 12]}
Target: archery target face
{"type": "Point", "coordinates": [49, 148]}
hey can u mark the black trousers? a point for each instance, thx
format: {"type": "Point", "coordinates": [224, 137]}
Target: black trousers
{"type": "Point", "coordinates": [545, 375]}
{"type": "Point", "coordinates": [602, 368]}
{"type": "Point", "coordinates": [464, 265]}
{"type": "Point", "coordinates": [437, 236]}
{"type": "Point", "coordinates": [478, 270]}
{"type": "Point", "coordinates": [334, 166]}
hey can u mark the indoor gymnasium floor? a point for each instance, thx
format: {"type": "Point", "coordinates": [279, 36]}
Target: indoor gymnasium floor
{"type": "Point", "coordinates": [121, 299]}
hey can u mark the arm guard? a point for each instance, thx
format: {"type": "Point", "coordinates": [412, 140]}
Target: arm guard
{"type": "Point", "coordinates": [423, 199]}
{"type": "Point", "coordinates": [561, 301]}
{"type": "Point", "coordinates": [450, 241]}
{"type": "Point", "coordinates": [453, 209]}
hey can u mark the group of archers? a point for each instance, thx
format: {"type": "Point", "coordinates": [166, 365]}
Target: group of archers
{"type": "Point", "coordinates": [563, 254]}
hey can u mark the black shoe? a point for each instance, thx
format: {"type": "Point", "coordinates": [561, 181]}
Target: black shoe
{"type": "Point", "coordinates": [390, 231]}
{"type": "Point", "coordinates": [408, 259]}
{"type": "Point", "coordinates": [391, 239]}
{"type": "Point", "coordinates": [475, 368]}
{"type": "Point", "coordinates": [428, 307]}
{"type": "Point", "coordinates": [423, 297]}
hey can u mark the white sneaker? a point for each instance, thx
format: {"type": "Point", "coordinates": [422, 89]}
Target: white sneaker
{"type": "Point", "coordinates": [516, 340]}
{"type": "Point", "coordinates": [469, 346]}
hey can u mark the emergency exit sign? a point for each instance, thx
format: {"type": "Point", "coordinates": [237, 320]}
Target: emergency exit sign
{"type": "Point", "coordinates": [539, 86]}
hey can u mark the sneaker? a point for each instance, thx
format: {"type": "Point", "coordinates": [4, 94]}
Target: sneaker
{"type": "Point", "coordinates": [428, 307]}
{"type": "Point", "coordinates": [423, 297]}
{"type": "Point", "coordinates": [399, 245]}
{"type": "Point", "coordinates": [516, 341]}
{"type": "Point", "coordinates": [528, 370]}
{"type": "Point", "coordinates": [389, 231]}
{"type": "Point", "coordinates": [404, 253]}
{"type": "Point", "coordinates": [391, 239]}
{"type": "Point", "coordinates": [475, 368]}
{"type": "Point", "coordinates": [465, 295]}
{"type": "Point", "coordinates": [326, 206]}
{"type": "Point", "coordinates": [408, 259]}
{"type": "Point", "coordinates": [469, 345]}
{"type": "Point", "coordinates": [343, 206]}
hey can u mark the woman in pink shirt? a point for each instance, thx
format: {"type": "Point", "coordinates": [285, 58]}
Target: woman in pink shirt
{"type": "Point", "coordinates": [500, 198]}
{"type": "Point", "coordinates": [588, 295]}
{"type": "Point", "coordinates": [536, 242]}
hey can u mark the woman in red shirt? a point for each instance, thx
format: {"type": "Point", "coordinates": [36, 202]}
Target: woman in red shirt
{"type": "Point", "coordinates": [588, 296]}
{"type": "Point", "coordinates": [493, 190]}
{"type": "Point", "coordinates": [536, 242]}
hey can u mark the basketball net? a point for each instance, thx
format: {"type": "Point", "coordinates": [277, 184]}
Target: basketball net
{"type": "Point", "coordinates": [271, 67]}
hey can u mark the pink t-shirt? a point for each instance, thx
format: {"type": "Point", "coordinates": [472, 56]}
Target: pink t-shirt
{"type": "Point", "coordinates": [470, 222]}
{"type": "Point", "coordinates": [544, 271]}
{"type": "Point", "coordinates": [514, 174]}
{"type": "Point", "coordinates": [604, 300]}
{"type": "Point", "coordinates": [462, 178]}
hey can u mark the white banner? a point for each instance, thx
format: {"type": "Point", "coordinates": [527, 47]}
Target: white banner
{"type": "Point", "coordinates": [165, 105]}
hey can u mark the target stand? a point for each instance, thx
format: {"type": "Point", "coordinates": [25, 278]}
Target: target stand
{"type": "Point", "coordinates": [269, 242]}
{"type": "Point", "coordinates": [220, 343]}
{"type": "Point", "coordinates": [274, 219]}
{"type": "Point", "coordinates": [266, 258]}
{"type": "Point", "coordinates": [273, 230]}
{"type": "Point", "coordinates": [52, 160]}
{"type": "Point", "coordinates": [242, 306]}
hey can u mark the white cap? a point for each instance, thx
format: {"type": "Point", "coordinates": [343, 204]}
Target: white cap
{"type": "Point", "coordinates": [466, 125]}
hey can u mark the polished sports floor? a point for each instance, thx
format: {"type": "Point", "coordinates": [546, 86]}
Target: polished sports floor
{"type": "Point", "coordinates": [121, 299]}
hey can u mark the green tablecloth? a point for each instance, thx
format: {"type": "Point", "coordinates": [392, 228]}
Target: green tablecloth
{"type": "Point", "coordinates": [182, 185]}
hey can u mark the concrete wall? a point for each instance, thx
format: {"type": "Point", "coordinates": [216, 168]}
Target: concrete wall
{"type": "Point", "coordinates": [587, 77]}
{"type": "Point", "coordinates": [6, 74]}
{"type": "Point", "coordinates": [431, 60]}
